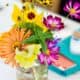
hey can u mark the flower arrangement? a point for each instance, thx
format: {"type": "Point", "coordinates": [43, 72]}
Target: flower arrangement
{"type": "Point", "coordinates": [30, 40]}
{"type": "Point", "coordinates": [30, 37]}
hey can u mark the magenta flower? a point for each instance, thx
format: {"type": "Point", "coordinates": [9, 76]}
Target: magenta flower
{"type": "Point", "coordinates": [73, 9]}
{"type": "Point", "coordinates": [51, 53]}
{"type": "Point", "coordinates": [53, 23]}
{"type": "Point", "coordinates": [47, 58]}
{"type": "Point", "coordinates": [52, 43]}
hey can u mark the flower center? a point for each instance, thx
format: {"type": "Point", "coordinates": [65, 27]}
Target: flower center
{"type": "Point", "coordinates": [72, 11]}
{"type": "Point", "coordinates": [48, 52]}
{"type": "Point", "coordinates": [16, 44]}
{"type": "Point", "coordinates": [31, 15]}
{"type": "Point", "coordinates": [53, 26]}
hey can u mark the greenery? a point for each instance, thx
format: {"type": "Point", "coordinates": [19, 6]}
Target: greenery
{"type": "Point", "coordinates": [38, 35]}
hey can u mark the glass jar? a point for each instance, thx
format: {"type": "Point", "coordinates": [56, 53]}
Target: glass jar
{"type": "Point", "coordinates": [39, 72]}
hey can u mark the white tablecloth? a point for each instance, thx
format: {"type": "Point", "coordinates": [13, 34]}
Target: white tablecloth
{"type": "Point", "coordinates": [8, 73]}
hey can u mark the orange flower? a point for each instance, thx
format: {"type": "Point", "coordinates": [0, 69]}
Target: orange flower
{"type": "Point", "coordinates": [11, 40]}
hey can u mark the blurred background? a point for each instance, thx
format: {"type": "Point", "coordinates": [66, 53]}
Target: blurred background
{"type": "Point", "coordinates": [62, 4]}
{"type": "Point", "coordinates": [55, 6]}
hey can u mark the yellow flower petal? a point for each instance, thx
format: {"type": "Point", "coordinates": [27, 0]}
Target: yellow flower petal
{"type": "Point", "coordinates": [27, 58]}
{"type": "Point", "coordinates": [26, 6]}
{"type": "Point", "coordinates": [33, 16]}
{"type": "Point", "coordinates": [17, 15]}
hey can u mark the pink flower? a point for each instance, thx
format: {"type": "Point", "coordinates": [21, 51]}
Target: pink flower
{"type": "Point", "coordinates": [73, 9]}
{"type": "Point", "coordinates": [53, 23]}
{"type": "Point", "coordinates": [43, 58]}
{"type": "Point", "coordinates": [51, 53]}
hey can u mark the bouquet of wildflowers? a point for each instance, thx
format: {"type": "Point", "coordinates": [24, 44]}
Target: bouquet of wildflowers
{"type": "Point", "coordinates": [30, 39]}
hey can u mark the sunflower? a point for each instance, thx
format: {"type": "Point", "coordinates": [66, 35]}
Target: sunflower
{"type": "Point", "coordinates": [27, 58]}
{"type": "Point", "coordinates": [11, 40]}
{"type": "Point", "coordinates": [17, 15]}
{"type": "Point", "coordinates": [32, 16]}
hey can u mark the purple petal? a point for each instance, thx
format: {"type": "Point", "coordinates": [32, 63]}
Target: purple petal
{"type": "Point", "coordinates": [52, 20]}
{"type": "Point", "coordinates": [76, 5]}
{"type": "Point", "coordinates": [54, 56]}
{"type": "Point", "coordinates": [50, 43]}
{"type": "Point", "coordinates": [55, 41]}
{"type": "Point", "coordinates": [78, 11]}
{"type": "Point", "coordinates": [55, 50]}
{"type": "Point", "coordinates": [66, 9]}
{"type": "Point", "coordinates": [49, 62]}
{"type": "Point", "coordinates": [60, 26]}
{"type": "Point", "coordinates": [70, 4]}
{"type": "Point", "coordinates": [57, 19]}
{"type": "Point", "coordinates": [49, 21]}
{"type": "Point", "coordinates": [77, 16]}
{"type": "Point", "coordinates": [49, 17]}
{"type": "Point", "coordinates": [45, 21]}
{"type": "Point", "coordinates": [41, 58]}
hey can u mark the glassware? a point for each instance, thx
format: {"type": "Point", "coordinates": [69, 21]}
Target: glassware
{"type": "Point", "coordinates": [39, 72]}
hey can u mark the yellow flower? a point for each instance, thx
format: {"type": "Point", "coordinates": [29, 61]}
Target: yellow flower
{"type": "Point", "coordinates": [33, 16]}
{"type": "Point", "coordinates": [27, 58]}
{"type": "Point", "coordinates": [45, 2]}
{"type": "Point", "coordinates": [17, 15]}
{"type": "Point", "coordinates": [27, 6]}
{"type": "Point", "coordinates": [28, 14]}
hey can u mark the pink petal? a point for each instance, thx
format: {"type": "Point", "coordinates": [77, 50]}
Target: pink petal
{"type": "Point", "coordinates": [55, 49]}
{"type": "Point", "coordinates": [70, 4]}
{"type": "Point", "coordinates": [57, 20]}
{"type": "Point", "coordinates": [76, 5]}
{"type": "Point", "coordinates": [49, 62]}
{"type": "Point", "coordinates": [41, 58]}
{"type": "Point", "coordinates": [65, 9]}
{"type": "Point", "coordinates": [77, 16]}
{"type": "Point", "coordinates": [60, 25]}
{"type": "Point", "coordinates": [54, 56]}
{"type": "Point", "coordinates": [50, 17]}
{"type": "Point", "coordinates": [78, 11]}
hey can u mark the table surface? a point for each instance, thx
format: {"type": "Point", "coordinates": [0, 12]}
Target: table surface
{"type": "Point", "coordinates": [8, 73]}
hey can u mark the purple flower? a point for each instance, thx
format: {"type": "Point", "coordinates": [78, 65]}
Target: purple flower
{"type": "Point", "coordinates": [51, 53]}
{"type": "Point", "coordinates": [53, 23]}
{"type": "Point", "coordinates": [44, 58]}
{"type": "Point", "coordinates": [52, 43]}
{"type": "Point", "coordinates": [73, 9]}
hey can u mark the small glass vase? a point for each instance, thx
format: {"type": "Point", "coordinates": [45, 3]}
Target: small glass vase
{"type": "Point", "coordinates": [39, 72]}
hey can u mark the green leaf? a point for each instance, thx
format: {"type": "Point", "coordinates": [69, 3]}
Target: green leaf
{"type": "Point", "coordinates": [44, 46]}
{"type": "Point", "coordinates": [32, 39]}
{"type": "Point", "coordinates": [38, 35]}
{"type": "Point", "coordinates": [48, 35]}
